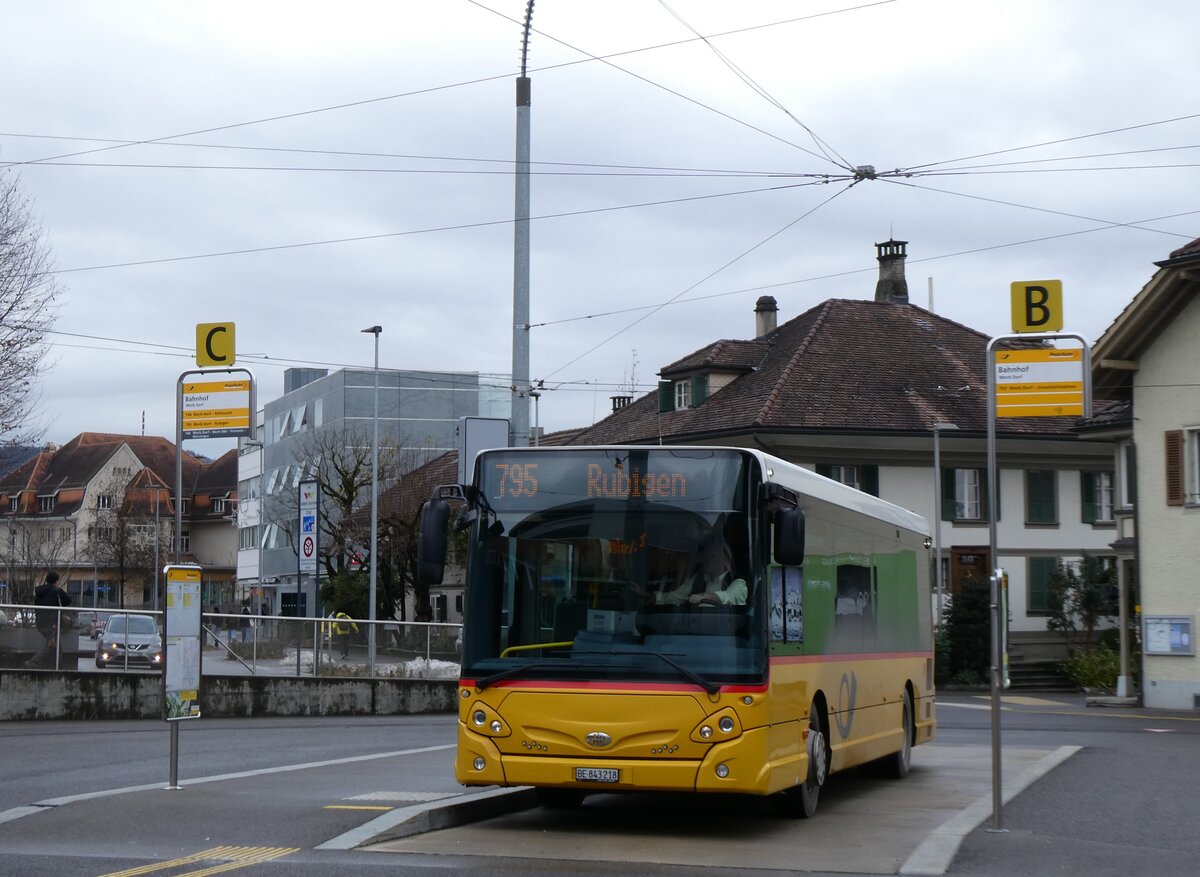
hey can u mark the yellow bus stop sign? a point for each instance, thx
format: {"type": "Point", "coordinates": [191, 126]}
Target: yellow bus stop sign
{"type": "Point", "coordinates": [1037, 306]}
{"type": "Point", "coordinates": [214, 344]}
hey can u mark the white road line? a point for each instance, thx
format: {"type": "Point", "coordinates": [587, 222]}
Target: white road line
{"type": "Point", "coordinates": [39, 806]}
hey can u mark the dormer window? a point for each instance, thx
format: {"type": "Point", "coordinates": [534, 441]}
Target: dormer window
{"type": "Point", "coordinates": [13, 504]}
{"type": "Point", "coordinates": [218, 505]}
{"type": "Point", "coordinates": [46, 503]}
{"type": "Point", "coordinates": [683, 395]}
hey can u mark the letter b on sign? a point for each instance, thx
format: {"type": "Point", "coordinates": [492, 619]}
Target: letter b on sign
{"type": "Point", "coordinates": [1037, 306]}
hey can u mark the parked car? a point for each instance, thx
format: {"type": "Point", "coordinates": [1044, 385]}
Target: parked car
{"type": "Point", "coordinates": [130, 640]}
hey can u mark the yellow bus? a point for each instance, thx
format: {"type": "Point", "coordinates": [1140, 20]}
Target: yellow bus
{"type": "Point", "coordinates": [682, 619]}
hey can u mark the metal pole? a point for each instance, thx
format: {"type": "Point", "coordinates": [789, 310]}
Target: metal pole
{"type": "Point", "coordinates": [939, 578]}
{"type": "Point", "coordinates": [519, 430]}
{"type": "Point", "coordinates": [374, 330]}
{"type": "Point", "coordinates": [994, 580]}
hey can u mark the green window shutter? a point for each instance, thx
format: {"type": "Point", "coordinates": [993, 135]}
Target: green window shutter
{"type": "Point", "coordinates": [1041, 505]}
{"type": "Point", "coordinates": [699, 389]}
{"type": "Point", "coordinates": [666, 396]}
{"type": "Point", "coordinates": [1040, 570]}
{"type": "Point", "coordinates": [870, 479]}
{"type": "Point", "coordinates": [825, 470]}
{"type": "Point", "coordinates": [948, 484]}
{"type": "Point", "coordinates": [1087, 490]}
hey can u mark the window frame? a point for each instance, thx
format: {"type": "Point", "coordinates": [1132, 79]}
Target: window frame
{"type": "Point", "coordinates": [683, 394]}
{"type": "Point", "coordinates": [1032, 562]}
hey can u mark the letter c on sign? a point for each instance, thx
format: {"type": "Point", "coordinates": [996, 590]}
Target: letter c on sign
{"type": "Point", "coordinates": [215, 344]}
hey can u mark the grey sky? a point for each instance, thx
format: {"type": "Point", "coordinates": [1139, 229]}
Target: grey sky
{"type": "Point", "coordinates": [412, 174]}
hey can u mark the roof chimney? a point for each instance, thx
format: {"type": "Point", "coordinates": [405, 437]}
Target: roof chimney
{"type": "Point", "coordinates": [765, 311]}
{"type": "Point", "coordinates": [619, 402]}
{"type": "Point", "coordinates": [892, 288]}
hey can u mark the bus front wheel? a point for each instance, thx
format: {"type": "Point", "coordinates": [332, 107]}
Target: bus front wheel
{"type": "Point", "coordinates": [800, 802]}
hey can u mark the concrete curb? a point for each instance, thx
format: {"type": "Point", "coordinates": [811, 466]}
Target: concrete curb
{"type": "Point", "coordinates": [1101, 700]}
{"type": "Point", "coordinates": [433, 815]}
{"type": "Point", "coordinates": [937, 851]}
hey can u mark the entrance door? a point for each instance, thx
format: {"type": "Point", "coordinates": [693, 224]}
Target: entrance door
{"type": "Point", "coordinates": [968, 561]}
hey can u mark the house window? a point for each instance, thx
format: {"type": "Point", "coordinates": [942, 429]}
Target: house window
{"type": "Point", "coordinates": [1041, 496]}
{"type": "Point", "coordinates": [104, 501]}
{"type": "Point", "coordinates": [185, 543]}
{"type": "Point", "coordinates": [184, 505]}
{"type": "Point", "coordinates": [964, 495]}
{"type": "Point", "coordinates": [46, 503]}
{"type": "Point", "coordinates": [1041, 569]}
{"type": "Point", "coordinates": [13, 504]}
{"type": "Point", "coordinates": [1193, 465]}
{"type": "Point", "coordinates": [1097, 495]}
{"type": "Point", "coordinates": [864, 477]}
{"type": "Point", "coordinates": [1126, 475]}
{"type": "Point", "coordinates": [248, 538]}
{"type": "Point", "coordinates": [683, 395]}
{"type": "Point", "coordinates": [218, 506]}
{"type": "Point", "coordinates": [100, 534]}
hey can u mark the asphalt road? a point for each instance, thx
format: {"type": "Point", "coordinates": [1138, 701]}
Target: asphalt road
{"type": "Point", "coordinates": [274, 796]}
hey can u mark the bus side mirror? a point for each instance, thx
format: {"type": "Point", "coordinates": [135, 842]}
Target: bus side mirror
{"type": "Point", "coordinates": [431, 542]}
{"type": "Point", "coordinates": [789, 536]}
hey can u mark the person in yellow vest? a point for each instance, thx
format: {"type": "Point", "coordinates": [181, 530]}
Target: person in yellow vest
{"type": "Point", "coordinates": [343, 626]}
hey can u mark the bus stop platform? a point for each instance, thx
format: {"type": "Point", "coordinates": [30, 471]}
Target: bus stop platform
{"type": "Point", "coordinates": [864, 825]}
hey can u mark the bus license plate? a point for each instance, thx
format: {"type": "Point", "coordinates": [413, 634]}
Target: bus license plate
{"type": "Point", "coordinates": [597, 775]}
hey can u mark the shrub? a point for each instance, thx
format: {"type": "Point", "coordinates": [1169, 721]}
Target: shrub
{"type": "Point", "coordinates": [1095, 668]}
{"type": "Point", "coordinates": [965, 639]}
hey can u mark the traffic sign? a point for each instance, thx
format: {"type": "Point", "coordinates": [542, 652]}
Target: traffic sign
{"type": "Point", "coordinates": [215, 344]}
{"type": "Point", "coordinates": [213, 408]}
{"type": "Point", "coordinates": [1037, 306]}
{"type": "Point", "coordinates": [1044, 382]}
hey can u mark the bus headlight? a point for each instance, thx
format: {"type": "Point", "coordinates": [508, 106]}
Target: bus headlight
{"type": "Point", "coordinates": [706, 732]}
{"type": "Point", "coordinates": [479, 763]}
{"type": "Point", "coordinates": [722, 770]}
{"type": "Point", "coordinates": [726, 724]}
{"type": "Point", "coordinates": [479, 717]}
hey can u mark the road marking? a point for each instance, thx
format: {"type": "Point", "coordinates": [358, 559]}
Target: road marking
{"type": "Point", "coordinates": [357, 807]}
{"type": "Point", "coordinates": [964, 706]}
{"type": "Point", "coordinates": [236, 857]}
{"type": "Point", "coordinates": [48, 803]}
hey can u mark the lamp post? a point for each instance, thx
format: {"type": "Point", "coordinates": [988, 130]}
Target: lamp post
{"type": "Point", "coordinates": [938, 429]}
{"type": "Point", "coordinates": [373, 330]}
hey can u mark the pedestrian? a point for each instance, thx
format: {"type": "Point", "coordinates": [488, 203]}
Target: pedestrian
{"type": "Point", "coordinates": [342, 627]}
{"type": "Point", "coordinates": [48, 593]}
{"type": "Point", "coordinates": [215, 625]}
{"type": "Point", "coordinates": [247, 623]}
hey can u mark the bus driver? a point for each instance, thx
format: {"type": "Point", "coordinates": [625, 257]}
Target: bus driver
{"type": "Point", "coordinates": [713, 585]}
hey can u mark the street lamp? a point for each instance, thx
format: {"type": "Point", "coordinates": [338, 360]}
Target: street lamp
{"type": "Point", "coordinates": [373, 330]}
{"type": "Point", "coordinates": [938, 429]}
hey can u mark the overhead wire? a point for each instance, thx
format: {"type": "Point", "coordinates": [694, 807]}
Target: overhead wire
{"type": "Point", "coordinates": [826, 149]}
{"type": "Point", "coordinates": [702, 280]}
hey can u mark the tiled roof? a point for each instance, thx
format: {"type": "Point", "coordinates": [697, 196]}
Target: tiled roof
{"type": "Point", "coordinates": [1188, 251]}
{"type": "Point", "coordinates": [845, 366]}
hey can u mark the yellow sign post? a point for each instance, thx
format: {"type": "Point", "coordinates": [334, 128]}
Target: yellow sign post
{"type": "Point", "coordinates": [215, 344]}
{"type": "Point", "coordinates": [1037, 306]}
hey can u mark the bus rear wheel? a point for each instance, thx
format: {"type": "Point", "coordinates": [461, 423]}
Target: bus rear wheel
{"type": "Point", "coordinates": [800, 802]}
{"type": "Point", "coordinates": [896, 765]}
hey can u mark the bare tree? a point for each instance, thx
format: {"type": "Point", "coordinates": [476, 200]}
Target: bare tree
{"type": "Point", "coordinates": [28, 293]}
{"type": "Point", "coordinates": [29, 550]}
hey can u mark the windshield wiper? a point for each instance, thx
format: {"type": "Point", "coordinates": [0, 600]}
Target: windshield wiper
{"type": "Point", "coordinates": [521, 668]}
{"type": "Point", "coordinates": [688, 673]}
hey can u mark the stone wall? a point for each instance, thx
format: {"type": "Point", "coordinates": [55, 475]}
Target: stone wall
{"type": "Point", "coordinates": [43, 694]}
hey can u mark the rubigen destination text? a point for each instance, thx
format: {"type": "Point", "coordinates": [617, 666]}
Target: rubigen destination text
{"type": "Point", "coordinates": [650, 484]}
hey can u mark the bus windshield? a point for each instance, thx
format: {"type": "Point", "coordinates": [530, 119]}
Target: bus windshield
{"type": "Point", "coordinates": [618, 564]}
